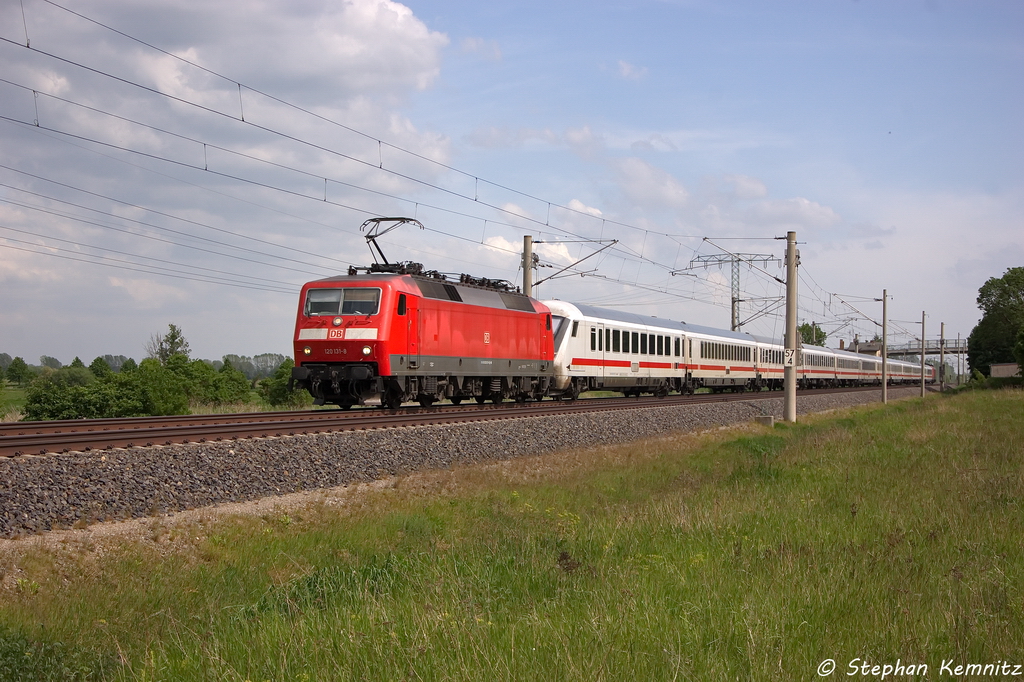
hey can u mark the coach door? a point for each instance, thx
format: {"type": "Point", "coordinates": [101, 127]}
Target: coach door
{"type": "Point", "coordinates": [598, 350]}
{"type": "Point", "coordinates": [414, 331]}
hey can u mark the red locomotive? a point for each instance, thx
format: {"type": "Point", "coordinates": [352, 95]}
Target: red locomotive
{"type": "Point", "coordinates": [398, 333]}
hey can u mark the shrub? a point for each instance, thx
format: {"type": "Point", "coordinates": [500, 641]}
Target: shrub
{"type": "Point", "coordinates": [275, 389]}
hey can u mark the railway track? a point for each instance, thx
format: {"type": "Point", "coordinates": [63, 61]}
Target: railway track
{"type": "Point", "coordinates": [41, 438]}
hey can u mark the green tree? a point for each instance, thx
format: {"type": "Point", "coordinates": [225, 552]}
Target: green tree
{"type": "Point", "coordinates": [59, 394]}
{"type": "Point", "coordinates": [172, 343]}
{"type": "Point", "coordinates": [100, 368]}
{"type": "Point", "coordinates": [1018, 349]}
{"type": "Point", "coordinates": [129, 365]}
{"type": "Point", "coordinates": [115, 395]}
{"type": "Point", "coordinates": [230, 385]}
{"type": "Point", "coordinates": [47, 361]}
{"type": "Point", "coordinates": [1001, 300]}
{"type": "Point", "coordinates": [165, 390]}
{"type": "Point", "coordinates": [19, 372]}
{"type": "Point", "coordinates": [266, 364]}
{"type": "Point", "coordinates": [115, 362]}
{"type": "Point", "coordinates": [275, 389]}
{"type": "Point", "coordinates": [812, 334]}
{"type": "Point", "coordinates": [77, 362]}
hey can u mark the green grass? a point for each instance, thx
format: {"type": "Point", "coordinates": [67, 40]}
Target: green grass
{"type": "Point", "coordinates": [12, 401]}
{"type": "Point", "coordinates": [880, 534]}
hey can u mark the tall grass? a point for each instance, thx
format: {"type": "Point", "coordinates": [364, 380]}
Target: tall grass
{"type": "Point", "coordinates": [878, 534]}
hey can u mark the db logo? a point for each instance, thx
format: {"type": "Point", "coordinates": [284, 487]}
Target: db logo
{"type": "Point", "coordinates": [335, 333]}
{"type": "Point", "coordinates": [487, 337]}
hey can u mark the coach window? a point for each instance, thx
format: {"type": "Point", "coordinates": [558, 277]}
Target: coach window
{"type": "Point", "coordinates": [575, 327]}
{"type": "Point", "coordinates": [659, 346]}
{"type": "Point", "coordinates": [625, 342]}
{"type": "Point", "coordinates": [635, 345]}
{"type": "Point", "coordinates": [600, 340]}
{"type": "Point", "coordinates": [615, 341]}
{"type": "Point", "coordinates": [643, 344]}
{"type": "Point", "coordinates": [401, 304]}
{"type": "Point", "coordinates": [593, 339]}
{"type": "Point", "coordinates": [608, 339]}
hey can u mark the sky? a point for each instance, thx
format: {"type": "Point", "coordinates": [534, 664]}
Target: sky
{"type": "Point", "coordinates": [194, 163]}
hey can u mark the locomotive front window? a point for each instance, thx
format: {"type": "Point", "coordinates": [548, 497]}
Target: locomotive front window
{"type": "Point", "coordinates": [351, 301]}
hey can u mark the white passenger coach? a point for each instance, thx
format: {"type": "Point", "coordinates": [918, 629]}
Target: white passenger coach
{"type": "Point", "coordinates": [600, 349]}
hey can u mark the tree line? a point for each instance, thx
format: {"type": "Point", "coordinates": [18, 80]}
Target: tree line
{"type": "Point", "coordinates": [167, 382]}
{"type": "Point", "coordinates": [999, 335]}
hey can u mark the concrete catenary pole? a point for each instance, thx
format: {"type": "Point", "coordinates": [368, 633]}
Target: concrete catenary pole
{"type": "Point", "coordinates": [885, 346]}
{"type": "Point", "coordinates": [959, 363]}
{"type": "Point", "coordinates": [528, 264]}
{"type": "Point", "coordinates": [922, 353]}
{"type": "Point", "coordinates": [942, 357]}
{"type": "Point", "coordinates": [789, 374]}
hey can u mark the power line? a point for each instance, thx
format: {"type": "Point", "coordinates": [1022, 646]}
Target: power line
{"type": "Point", "coordinates": [147, 236]}
{"type": "Point", "coordinates": [626, 253]}
{"type": "Point", "coordinates": [143, 269]}
{"type": "Point", "coordinates": [135, 255]}
{"type": "Point", "coordinates": [287, 136]}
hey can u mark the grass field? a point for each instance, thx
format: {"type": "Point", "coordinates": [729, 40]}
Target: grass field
{"type": "Point", "coordinates": [12, 400]}
{"type": "Point", "coordinates": [879, 534]}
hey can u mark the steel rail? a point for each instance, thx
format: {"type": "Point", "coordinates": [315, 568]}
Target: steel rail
{"type": "Point", "coordinates": [40, 438]}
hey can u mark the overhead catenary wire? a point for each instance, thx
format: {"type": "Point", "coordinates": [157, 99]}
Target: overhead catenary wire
{"type": "Point", "coordinates": [293, 138]}
{"type": "Point", "coordinates": [234, 275]}
{"type": "Point", "coordinates": [150, 271]}
{"type": "Point", "coordinates": [626, 251]}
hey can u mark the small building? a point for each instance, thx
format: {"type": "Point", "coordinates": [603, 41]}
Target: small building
{"type": "Point", "coordinates": [1005, 370]}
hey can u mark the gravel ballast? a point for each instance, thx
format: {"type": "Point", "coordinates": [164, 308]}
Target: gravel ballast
{"type": "Point", "coordinates": [58, 491]}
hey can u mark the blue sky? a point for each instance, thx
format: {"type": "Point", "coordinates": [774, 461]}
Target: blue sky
{"type": "Point", "coordinates": [886, 134]}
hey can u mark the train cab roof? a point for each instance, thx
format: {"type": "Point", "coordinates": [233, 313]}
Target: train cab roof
{"type": "Point", "coordinates": [444, 290]}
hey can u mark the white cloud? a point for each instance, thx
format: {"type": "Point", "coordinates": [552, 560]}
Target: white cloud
{"type": "Point", "coordinates": [584, 141]}
{"type": "Point", "coordinates": [578, 205]}
{"type": "Point", "coordinates": [649, 186]}
{"type": "Point", "coordinates": [558, 253]}
{"type": "Point", "coordinates": [745, 187]}
{"type": "Point", "coordinates": [328, 51]}
{"type": "Point", "coordinates": [630, 72]}
{"type": "Point", "coordinates": [487, 49]}
{"type": "Point", "coordinates": [793, 213]}
{"type": "Point", "coordinates": [148, 293]}
{"type": "Point", "coordinates": [495, 137]}
{"type": "Point", "coordinates": [500, 243]}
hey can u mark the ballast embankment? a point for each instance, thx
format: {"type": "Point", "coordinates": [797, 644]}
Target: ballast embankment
{"type": "Point", "coordinates": [59, 491]}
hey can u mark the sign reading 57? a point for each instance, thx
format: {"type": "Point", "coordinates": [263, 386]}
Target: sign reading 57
{"type": "Point", "coordinates": [789, 360]}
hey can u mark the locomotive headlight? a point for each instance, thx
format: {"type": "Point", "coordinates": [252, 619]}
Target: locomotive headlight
{"type": "Point", "coordinates": [336, 322]}
{"type": "Point", "coordinates": [367, 350]}
{"type": "Point", "coordinates": [307, 351]}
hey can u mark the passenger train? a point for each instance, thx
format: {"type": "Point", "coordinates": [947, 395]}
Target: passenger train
{"type": "Point", "coordinates": [397, 333]}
